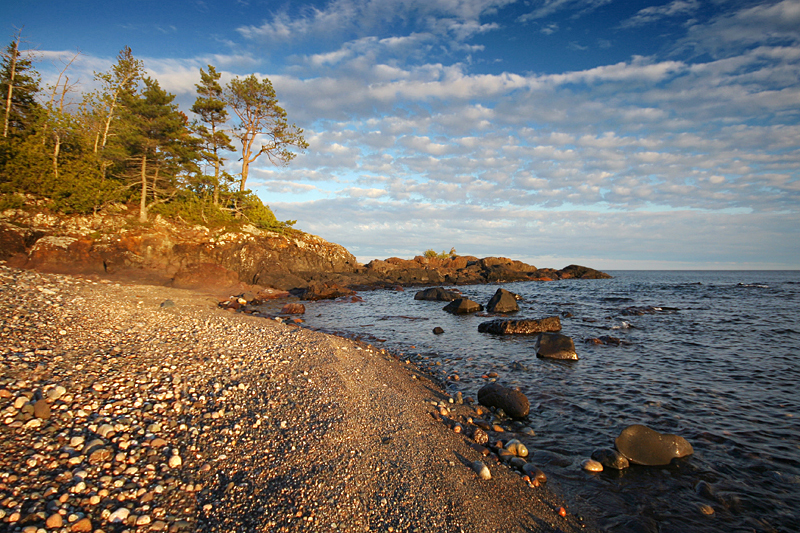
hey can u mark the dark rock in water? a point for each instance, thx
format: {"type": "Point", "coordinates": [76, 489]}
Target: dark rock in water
{"type": "Point", "coordinates": [704, 489]}
{"type": "Point", "coordinates": [437, 294]}
{"type": "Point", "coordinates": [167, 303]}
{"type": "Point", "coordinates": [503, 301]}
{"type": "Point", "coordinates": [512, 401]}
{"type": "Point", "coordinates": [504, 326]}
{"type": "Point", "coordinates": [437, 330]}
{"type": "Point", "coordinates": [521, 367]}
{"type": "Point", "coordinates": [555, 346]}
{"type": "Point", "coordinates": [610, 458]}
{"type": "Point", "coordinates": [463, 306]}
{"type": "Point", "coordinates": [293, 309]}
{"type": "Point", "coordinates": [321, 291]}
{"type": "Point", "coordinates": [645, 446]}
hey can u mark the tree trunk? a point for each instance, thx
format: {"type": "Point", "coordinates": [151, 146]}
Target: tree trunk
{"type": "Point", "coordinates": [216, 182]}
{"type": "Point", "coordinates": [143, 201]}
{"type": "Point", "coordinates": [14, 56]}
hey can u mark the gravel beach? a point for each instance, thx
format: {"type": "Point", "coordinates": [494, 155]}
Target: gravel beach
{"type": "Point", "coordinates": [144, 408]}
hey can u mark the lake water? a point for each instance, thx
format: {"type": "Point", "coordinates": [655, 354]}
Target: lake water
{"type": "Point", "coordinates": [715, 358]}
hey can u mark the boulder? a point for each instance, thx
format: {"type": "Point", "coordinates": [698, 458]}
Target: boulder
{"type": "Point", "coordinates": [610, 458]}
{"type": "Point", "coordinates": [463, 306]}
{"type": "Point", "coordinates": [645, 446]}
{"type": "Point", "coordinates": [437, 294]}
{"type": "Point", "coordinates": [581, 272]}
{"type": "Point", "coordinates": [503, 301]}
{"type": "Point", "coordinates": [555, 346]}
{"type": "Point", "coordinates": [293, 309]}
{"type": "Point", "coordinates": [512, 401]}
{"type": "Point", "coordinates": [504, 326]}
{"type": "Point", "coordinates": [317, 290]}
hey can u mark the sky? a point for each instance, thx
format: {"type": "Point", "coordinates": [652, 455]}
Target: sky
{"type": "Point", "coordinates": [612, 134]}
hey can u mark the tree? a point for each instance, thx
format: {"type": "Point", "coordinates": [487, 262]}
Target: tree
{"type": "Point", "coordinates": [158, 140]}
{"type": "Point", "coordinates": [255, 103]}
{"type": "Point", "coordinates": [19, 83]}
{"type": "Point", "coordinates": [210, 107]}
{"type": "Point", "coordinates": [119, 81]}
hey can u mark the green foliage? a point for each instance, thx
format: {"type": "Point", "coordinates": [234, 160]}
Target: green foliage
{"type": "Point", "coordinates": [129, 142]}
{"type": "Point", "coordinates": [431, 254]}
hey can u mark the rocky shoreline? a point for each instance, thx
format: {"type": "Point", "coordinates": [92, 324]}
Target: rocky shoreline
{"type": "Point", "coordinates": [240, 258]}
{"type": "Point", "coordinates": [147, 408]}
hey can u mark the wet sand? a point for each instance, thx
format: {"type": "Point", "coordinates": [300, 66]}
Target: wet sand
{"type": "Point", "coordinates": [144, 408]}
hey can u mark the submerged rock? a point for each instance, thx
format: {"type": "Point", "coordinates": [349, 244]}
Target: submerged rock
{"type": "Point", "coordinates": [528, 326]}
{"type": "Point", "coordinates": [555, 346]}
{"type": "Point", "coordinates": [512, 401]}
{"type": "Point", "coordinates": [610, 458]}
{"type": "Point", "coordinates": [437, 294]}
{"type": "Point", "coordinates": [645, 446]}
{"type": "Point", "coordinates": [463, 306]}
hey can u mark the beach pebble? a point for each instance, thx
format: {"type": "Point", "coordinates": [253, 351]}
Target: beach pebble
{"type": "Point", "coordinates": [482, 470]}
{"type": "Point", "coordinates": [590, 465]}
{"type": "Point", "coordinates": [706, 509]}
{"type": "Point", "coordinates": [54, 521]}
{"type": "Point", "coordinates": [84, 525]}
{"type": "Point", "coordinates": [534, 473]}
{"type": "Point", "coordinates": [517, 448]}
{"type": "Point", "coordinates": [610, 458]}
{"type": "Point", "coordinates": [175, 461]}
{"type": "Point", "coordinates": [41, 410]}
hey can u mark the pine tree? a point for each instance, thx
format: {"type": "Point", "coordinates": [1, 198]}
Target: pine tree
{"type": "Point", "coordinates": [159, 142]}
{"type": "Point", "coordinates": [210, 107]}
{"type": "Point", "coordinates": [255, 103]}
{"type": "Point", "coordinates": [19, 83]}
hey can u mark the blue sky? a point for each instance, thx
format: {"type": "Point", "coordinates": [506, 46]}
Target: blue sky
{"type": "Point", "coordinates": [660, 134]}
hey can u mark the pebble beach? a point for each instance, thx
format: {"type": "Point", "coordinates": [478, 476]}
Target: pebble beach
{"type": "Point", "coordinates": [143, 408]}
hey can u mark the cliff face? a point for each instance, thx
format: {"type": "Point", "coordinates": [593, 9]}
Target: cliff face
{"type": "Point", "coordinates": [163, 252]}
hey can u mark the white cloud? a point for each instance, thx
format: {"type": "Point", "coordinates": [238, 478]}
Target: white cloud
{"type": "Point", "coordinates": [653, 14]}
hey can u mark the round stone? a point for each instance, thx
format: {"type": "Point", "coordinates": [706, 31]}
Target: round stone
{"type": "Point", "coordinates": [175, 461]}
{"type": "Point", "coordinates": [590, 465]}
{"type": "Point", "coordinates": [54, 521]}
{"type": "Point", "coordinates": [517, 448]}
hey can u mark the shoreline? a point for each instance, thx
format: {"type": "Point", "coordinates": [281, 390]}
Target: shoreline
{"type": "Point", "coordinates": [151, 416]}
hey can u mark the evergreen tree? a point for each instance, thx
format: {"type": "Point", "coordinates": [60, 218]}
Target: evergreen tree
{"type": "Point", "coordinates": [159, 143]}
{"type": "Point", "coordinates": [255, 103]}
{"type": "Point", "coordinates": [210, 107]}
{"type": "Point", "coordinates": [19, 83]}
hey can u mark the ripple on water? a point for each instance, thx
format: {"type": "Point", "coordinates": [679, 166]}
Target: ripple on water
{"type": "Point", "coordinates": [717, 364]}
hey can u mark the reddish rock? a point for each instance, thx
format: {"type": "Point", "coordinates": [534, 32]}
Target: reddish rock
{"type": "Point", "coordinates": [293, 309]}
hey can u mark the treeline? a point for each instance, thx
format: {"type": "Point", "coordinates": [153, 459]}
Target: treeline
{"type": "Point", "coordinates": [128, 142]}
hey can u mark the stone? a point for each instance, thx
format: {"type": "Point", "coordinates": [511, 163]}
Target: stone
{"type": "Point", "coordinates": [175, 461]}
{"type": "Point", "coordinates": [517, 448]}
{"type": "Point", "coordinates": [437, 294]}
{"type": "Point", "coordinates": [41, 410]}
{"type": "Point", "coordinates": [610, 458]}
{"type": "Point", "coordinates": [437, 330]}
{"type": "Point", "coordinates": [56, 392]}
{"type": "Point", "coordinates": [534, 473]}
{"type": "Point", "coordinates": [167, 303]}
{"type": "Point", "coordinates": [99, 456]}
{"type": "Point", "coordinates": [479, 435]}
{"type": "Point", "coordinates": [54, 521]}
{"type": "Point", "coordinates": [463, 306]}
{"type": "Point", "coordinates": [293, 309]}
{"type": "Point", "coordinates": [555, 346]}
{"type": "Point", "coordinates": [482, 470]}
{"type": "Point", "coordinates": [119, 515]}
{"type": "Point", "coordinates": [590, 465]}
{"type": "Point", "coordinates": [84, 525]}
{"type": "Point", "coordinates": [512, 401]}
{"type": "Point", "coordinates": [645, 446]}
{"type": "Point", "coordinates": [528, 326]}
{"type": "Point", "coordinates": [503, 301]}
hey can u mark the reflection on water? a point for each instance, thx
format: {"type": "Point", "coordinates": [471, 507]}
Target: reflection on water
{"type": "Point", "coordinates": [711, 356]}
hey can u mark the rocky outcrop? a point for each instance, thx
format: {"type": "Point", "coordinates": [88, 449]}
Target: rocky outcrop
{"type": "Point", "coordinates": [512, 401]}
{"type": "Point", "coordinates": [645, 446]}
{"type": "Point", "coordinates": [167, 252]}
{"type": "Point", "coordinates": [463, 270]}
{"type": "Point", "coordinates": [503, 301]}
{"type": "Point", "coordinates": [528, 326]}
